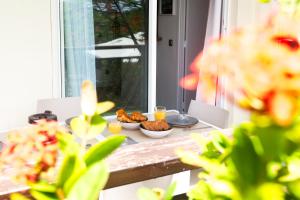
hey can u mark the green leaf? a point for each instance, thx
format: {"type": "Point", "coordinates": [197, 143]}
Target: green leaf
{"type": "Point", "coordinates": [244, 157]}
{"type": "Point", "coordinates": [147, 194]}
{"type": "Point", "coordinates": [90, 183]}
{"type": "Point", "coordinates": [43, 187]}
{"type": "Point", "coordinates": [66, 169]}
{"type": "Point", "coordinates": [97, 126]}
{"type": "Point", "coordinates": [272, 140]}
{"type": "Point", "coordinates": [79, 169]}
{"type": "Point", "coordinates": [189, 157]}
{"type": "Point", "coordinates": [67, 144]}
{"type": "Point", "coordinates": [264, 1]}
{"type": "Point", "coordinates": [211, 151]}
{"type": "Point", "coordinates": [105, 106]}
{"type": "Point", "coordinates": [79, 126]}
{"type": "Point", "coordinates": [294, 188]}
{"type": "Point", "coordinates": [18, 196]}
{"type": "Point", "coordinates": [272, 191]}
{"type": "Point", "coordinates": [220, 141]}
{"type": "Point", "coordinates": [201, 191]}
{"type": "Point", "coordinates": [225, 189]}
{"type": "Point", "coordinates": [43, 195]}
{"type": "Point", "coordinates": [170, 191]}
{"type": "Point", "coordinates": [293, 165]}
{"type": "Point", "coordinates": [103, 149]}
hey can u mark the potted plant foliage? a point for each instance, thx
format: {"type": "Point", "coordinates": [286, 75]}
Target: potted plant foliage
{"type": "Point", "coordinates": [261, 159]}
{"type": "Point", "coordinates": [52, 164]}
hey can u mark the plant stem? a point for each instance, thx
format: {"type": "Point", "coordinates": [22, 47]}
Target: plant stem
{"type": "Point", "coordinates": [83, 145]}
{"type": "Point", "coordinates": [60, 194]}
{"type": "Point", "coordinates": [83, 139]}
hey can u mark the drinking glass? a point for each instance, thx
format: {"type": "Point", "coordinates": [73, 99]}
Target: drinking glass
{"type": "Point", "coordinates": [160, 112]}
{"type": "Point", "coordinates": [115, 127]}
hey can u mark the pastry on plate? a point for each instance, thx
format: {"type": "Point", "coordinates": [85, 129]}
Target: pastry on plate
{"type": "Point", "coordinates": [122, 116]}
{"type": "Point", "coordinates": [138, 117]}
{"type": "Point", "coordinates": [135, 117]}
{"type": "Point", "coordinates": [160, 125]}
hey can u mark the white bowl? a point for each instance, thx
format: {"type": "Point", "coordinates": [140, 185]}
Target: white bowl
{"type": "Point", "coordinates": [156, 134]}
{"type": "Point", "coordinates": [130, 126]}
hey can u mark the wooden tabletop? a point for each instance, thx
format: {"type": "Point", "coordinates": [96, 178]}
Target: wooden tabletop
{"type": "Point", "coordinates": [150, 158]}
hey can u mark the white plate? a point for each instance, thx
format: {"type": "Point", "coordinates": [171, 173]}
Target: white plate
{"type": "Point", "coordinates": [130, 126]}
{"type": "Point", "coordinates": [156, 134]}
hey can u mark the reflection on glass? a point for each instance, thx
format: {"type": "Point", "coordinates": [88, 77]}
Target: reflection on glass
{"type": "Point", "coordinates": [105, 41]}
{"type": "Point", "coordinates": [121, 52]}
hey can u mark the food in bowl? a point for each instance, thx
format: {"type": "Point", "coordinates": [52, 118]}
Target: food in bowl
{"type": "Point", "coordinates": [130, 121]}
{"type": "Point", "coordinates": [135, 117]}
{"type": "Point", "coordinates": [156, 129]}
{"type": "Point", "coordinates": [138, 117]}
{"type": "Point", "coordinates": [160, 125]}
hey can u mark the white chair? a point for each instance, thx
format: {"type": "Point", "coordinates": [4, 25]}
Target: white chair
{"type": "Point", "coordinates": [63, 108]}
{"type": "Point", "coordinates": [210, 114]}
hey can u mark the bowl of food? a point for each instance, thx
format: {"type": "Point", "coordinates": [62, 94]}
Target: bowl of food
{"type": "Point", "coordinates": [156, 129]}
{"type": "Point", "coordinates": [131, 121]}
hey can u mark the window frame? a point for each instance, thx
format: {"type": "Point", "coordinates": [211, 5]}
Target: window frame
{"type": "Point", "coordinates": [58, 53]}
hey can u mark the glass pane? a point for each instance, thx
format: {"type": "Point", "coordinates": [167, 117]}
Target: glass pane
{"type": "Point", "coordinates": [120, 51]}
{"type": "Point", "coordinates": [79, 42]}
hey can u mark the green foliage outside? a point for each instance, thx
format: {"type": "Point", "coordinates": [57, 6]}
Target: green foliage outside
{"type": "Point", "coordinates": [122, 82]}
{"type": "Point", "coordinates": [114, 19]}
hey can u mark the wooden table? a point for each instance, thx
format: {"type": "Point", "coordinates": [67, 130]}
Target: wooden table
{"type": "Point", "coordinates": [150, 158]}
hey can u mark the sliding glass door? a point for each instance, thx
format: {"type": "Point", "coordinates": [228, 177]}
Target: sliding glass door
{"type": "Point", "coordinates": [106, 41]}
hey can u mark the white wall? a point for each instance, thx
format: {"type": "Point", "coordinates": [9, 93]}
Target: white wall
{"type": "Point", "coordinates": [25, 59]}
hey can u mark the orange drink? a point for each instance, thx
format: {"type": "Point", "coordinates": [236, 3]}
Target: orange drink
{"type": "Point", "coordinates": [160, 113]}
{"type": "Point", "coordinates": [114, 127]}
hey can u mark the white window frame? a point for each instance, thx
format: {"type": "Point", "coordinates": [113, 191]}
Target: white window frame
{"type": "Point", "coordinates": [57, 64]}
{"type": "Point", "coordinates": [58, 57]}
{"type": "Point", "coordinates": [221, 100]}
{"type": "Point", "coordinates": [152, 45]}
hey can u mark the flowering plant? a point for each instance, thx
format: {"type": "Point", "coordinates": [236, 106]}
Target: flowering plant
{"type": "Point", "coordinates": [33, 154]}
{"type": "Point", "coordinates": [33, 151]}
{"type": "Point", "coordinates": [261, 63]}
{"type": "Point", "coordinates": [261, 160]}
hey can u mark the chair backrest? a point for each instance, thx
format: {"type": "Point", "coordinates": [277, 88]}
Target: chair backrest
{"type": "Point", "coordinates": [64, 108]}
{"type": "Point", "coordinates": [208, 113]}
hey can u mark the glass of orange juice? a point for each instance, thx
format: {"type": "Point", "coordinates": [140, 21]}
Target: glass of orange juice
{"type": "Point", "coordinates": [115, 127]}
{"type": "Point", "coordinates": [160, 112]}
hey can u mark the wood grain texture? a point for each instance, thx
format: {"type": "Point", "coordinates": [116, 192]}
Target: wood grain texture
{"type": "Point", "coordinates": [132, 163]}
{"type": "Point", "coordinates": [148, 160]}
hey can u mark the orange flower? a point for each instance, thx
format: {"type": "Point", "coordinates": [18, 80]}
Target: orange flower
{"type": "Point", "coordinates": [257, 61]}
{"type": "Point", "coordinates": [190, 82]}
{"type": "Point", "coordinates": [283, 108]}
